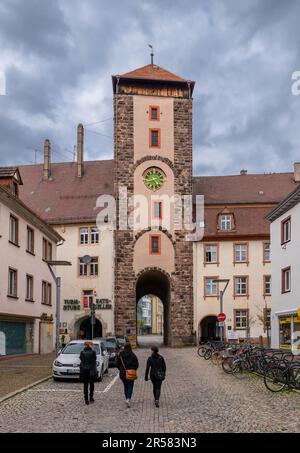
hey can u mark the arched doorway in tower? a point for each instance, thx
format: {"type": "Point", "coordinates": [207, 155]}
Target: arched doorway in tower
{"type": "Point", "coordinates": [153, 294]}
{"type": "Point", "coordinates": [83, 329]}
{"type": "Point", "coordinates": [208, 328]}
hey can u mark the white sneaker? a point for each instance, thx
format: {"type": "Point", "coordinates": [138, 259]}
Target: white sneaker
{"type": "Point", "coordinates": [128, 403]}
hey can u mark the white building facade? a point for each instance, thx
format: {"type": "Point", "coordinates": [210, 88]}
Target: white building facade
{"type": "Point", "coordinates": [285, 240]}
{"type": "Point", "coordinates": [27, 290]}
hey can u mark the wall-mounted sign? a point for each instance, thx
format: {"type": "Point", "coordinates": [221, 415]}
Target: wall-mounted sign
{"type": "Point", "coordinates": [46, 318]}
{"type": "Point", "coordinates": [71, 305]}
{"type": "Point", "coordinates": [103, 304]}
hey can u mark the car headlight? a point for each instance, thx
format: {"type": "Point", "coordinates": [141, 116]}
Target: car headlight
{"type": "Point", "coordinates": [57, 363]}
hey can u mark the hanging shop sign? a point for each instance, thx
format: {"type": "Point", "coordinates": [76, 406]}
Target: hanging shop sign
{"type": "Point", "coordinates": [46, 318]}
{"type": "Point", "coordinates": [71, 305]}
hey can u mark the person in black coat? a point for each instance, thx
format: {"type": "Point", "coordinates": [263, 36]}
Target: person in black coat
{"type": "Point", "coordinates": [157, 366]}
{"type": "Point", "coordinates": [127, 360]}
{"type": "Point", "coordinates": [88, 370]}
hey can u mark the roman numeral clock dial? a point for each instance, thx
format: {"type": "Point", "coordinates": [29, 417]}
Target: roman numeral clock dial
{"type": "Point", "coordinates": [154, 178]}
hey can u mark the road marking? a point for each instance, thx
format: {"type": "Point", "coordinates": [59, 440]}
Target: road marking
{"type": "Point", "coordinates": [111, 384]}
{"type": "Point", "coordinates": [46, 390]}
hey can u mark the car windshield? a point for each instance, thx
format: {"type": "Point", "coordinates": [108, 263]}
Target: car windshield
{"type": "Point", "coordinates": [110, 345]}
{"type": "Point", "coordinates": [76, 348]}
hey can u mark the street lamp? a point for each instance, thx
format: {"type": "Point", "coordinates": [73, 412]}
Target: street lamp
{"type": "Point", "coordinates": [57, 281]}
{"type": "Point", "coordinates": [222, 292]}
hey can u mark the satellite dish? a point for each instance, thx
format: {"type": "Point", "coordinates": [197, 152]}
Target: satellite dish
{"type": "Point", "coordinates": [87, 259]}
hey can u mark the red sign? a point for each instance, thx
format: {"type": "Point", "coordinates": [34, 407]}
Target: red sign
{"type": "Point", "coordinates": [85, 302]}
{"type": "Point", "coordinates": [221, 317]}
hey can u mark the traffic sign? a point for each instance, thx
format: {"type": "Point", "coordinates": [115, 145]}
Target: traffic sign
{"type": "Point", "coordinates": [221, 317]}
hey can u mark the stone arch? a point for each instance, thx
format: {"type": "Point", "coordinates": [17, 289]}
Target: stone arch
{"type": "Point", "coordinates": [153, 159]}
{"type": "Point", "coordinates": [147, 230]}
{"type": "Point", "coordinates": [156, 281]}
{"type": "Point", "coordinates": [73, 326]}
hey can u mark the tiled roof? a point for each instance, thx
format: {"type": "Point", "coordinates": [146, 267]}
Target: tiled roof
{"type": "Point", "coordinates": [250, 188]}
{"type": "Point", "coordinates": [152, 72]}
{"type": "Point", "coordinates": [288, 203]}
{"type": "Point", "coordinates": [249, 222]}
{"type": "Point", "coordinates": [7, 172]}
{"type": "Point", "coordinates": [66, 198]}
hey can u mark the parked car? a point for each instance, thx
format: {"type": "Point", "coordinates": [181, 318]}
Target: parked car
{"type": "Point", "coordinates": [67, 363]}
{"type": "Point", "coordinates": [122, 340]}
{"type": "Point", "coordinates": [112, 352]}
{"type": "Point", "coordinates": [113, 339]}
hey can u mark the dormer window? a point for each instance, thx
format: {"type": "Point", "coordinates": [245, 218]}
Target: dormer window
{"type": "Point", "coordinates": [226, 222]}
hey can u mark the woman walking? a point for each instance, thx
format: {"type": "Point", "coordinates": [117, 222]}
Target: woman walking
{"type": "Point", "coordinates": [88, 371]}
{"type": "Point", "coordinates": [128, 363]}
{"type": "Point", "coordinates": [157, 366]}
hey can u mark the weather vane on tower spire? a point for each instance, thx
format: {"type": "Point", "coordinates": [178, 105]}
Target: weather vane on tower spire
{"type": "Point", "coordinates": [152, 54]}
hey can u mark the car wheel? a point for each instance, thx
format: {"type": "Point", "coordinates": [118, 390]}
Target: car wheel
{"type": "Point", "coordinates": [55, 379]}
{"type": "Point", "coordinates": [106, 371]}
{"type": "Point", "coordinates": [100, 379]}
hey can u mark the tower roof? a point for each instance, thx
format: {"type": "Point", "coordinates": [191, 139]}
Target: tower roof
{"type": "Point", "coordinates": [154, 74]}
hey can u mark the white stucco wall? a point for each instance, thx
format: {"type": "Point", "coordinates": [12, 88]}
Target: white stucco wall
{"type": "Point", "coordinates": [73, 285]}
{"type": "Point", "coordinates": [25, 263]}
{"type": "Point", "coordinates": [282, 257]}
{"type": "Point", "coordinates": [227, 270]}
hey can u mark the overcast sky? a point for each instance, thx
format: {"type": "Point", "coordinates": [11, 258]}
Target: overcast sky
{"type": "Point", "coordinates": [58, 57]}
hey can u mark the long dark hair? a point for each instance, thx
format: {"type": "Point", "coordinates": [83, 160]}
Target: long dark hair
{"type": "Point", "coordinates": [127, 347]}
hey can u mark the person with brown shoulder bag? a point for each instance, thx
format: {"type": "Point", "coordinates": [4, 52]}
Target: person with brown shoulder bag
{"type": "Point", "coordinates": [128, 364]}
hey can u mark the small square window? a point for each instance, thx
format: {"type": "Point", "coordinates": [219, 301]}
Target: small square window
{"type": "Point", "coordinates": [154, 113]}
{"type": "Point", "coordinates": [286, 280]}
{"type": "Point", "coordinates": [154, 138]}
{"type": "Point", "coordinates": [286, 230]}
{"type": "Point", "coordinates": [155, 245]}
{"type": "Point", "coordinates": [157, 209]}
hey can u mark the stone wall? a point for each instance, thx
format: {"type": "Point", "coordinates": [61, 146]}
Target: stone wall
{"type": "Point", "coordinates": [182, 304]}
{"type": "Point", "coordinates": [181, 296]}
{"type": "Point", "coordinates": [125, 303]}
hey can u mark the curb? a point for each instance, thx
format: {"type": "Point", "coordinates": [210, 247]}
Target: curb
{"type": "Point", "coordinates": [23, 389]}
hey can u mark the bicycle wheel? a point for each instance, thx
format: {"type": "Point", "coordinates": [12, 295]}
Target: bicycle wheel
{"type": "Point", "coordinates": [294, 377]}
{"type": "Point", "coordinates": [208, 354]}
{"type": "Point", "coordinates": [275, 379]}
{"type": "Point", "coordinates": [237, 368]}
{"type": "Point", "coordinates": [216, 358]}
{"type": "Point", "coordinates": [227, 364]}
{"type": "Point", "coordinates": [201, 351]}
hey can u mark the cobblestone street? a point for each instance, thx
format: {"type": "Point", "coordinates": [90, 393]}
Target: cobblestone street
{"type": "Point", "coordinates": [196, 397]}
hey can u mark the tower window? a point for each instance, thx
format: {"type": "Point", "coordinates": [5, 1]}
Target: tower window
{"type": "Point", "coordinates": [154, 113]}
{"type": "Point", "coordinates": [157, 209]}
{"type": "Point", "coordinates": [154, 138]}
{"type": "Point", "coordinates": [155, 245]}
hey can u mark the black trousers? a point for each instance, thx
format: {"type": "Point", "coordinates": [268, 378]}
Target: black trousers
{"type": "Point", "coordinates": [156, 389]}
{"type": "Point", "coordinates": [88, 384]}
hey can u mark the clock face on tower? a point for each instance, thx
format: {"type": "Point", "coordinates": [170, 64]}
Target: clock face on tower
{"type": "Point", "coordinates": [154, 178]}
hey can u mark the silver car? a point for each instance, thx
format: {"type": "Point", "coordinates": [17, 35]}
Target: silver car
{"type": "Point", "coordinates": [67, 363]}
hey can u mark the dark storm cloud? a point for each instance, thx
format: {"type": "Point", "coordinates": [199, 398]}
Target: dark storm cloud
{"type": "Point", "coordinates": [59, 55]}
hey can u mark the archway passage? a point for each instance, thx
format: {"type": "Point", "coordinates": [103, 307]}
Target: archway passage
{"type": "Point", "coordinates": [156, 283]}
{"type": "Point", "coordinates": [150, 320]}
{"type": "Point", "coordinates": [85, 329]}
{"type": "Point", "coordinates": [209, 329]}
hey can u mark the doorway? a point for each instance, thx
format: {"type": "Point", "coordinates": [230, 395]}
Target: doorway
{"type": "Point", "coordinates": [153, 307]}
{"type": "Point", "coordinates": [208, 329]}
{"type": "Point", "coordinates": [85, 329]}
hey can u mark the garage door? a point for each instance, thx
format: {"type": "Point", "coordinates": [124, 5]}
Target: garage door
{"type": "Point", "coordinates": [14, 333]}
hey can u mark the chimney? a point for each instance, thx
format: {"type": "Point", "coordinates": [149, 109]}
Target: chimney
{"type": "Point", "coordinates": [47, 159]}
{"type": "Point", "coordinates": [243, 172]}
{"type": "Point", "coordinates": [80, 139]}
{"type": "Point", "coordinates": [297, 171]}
